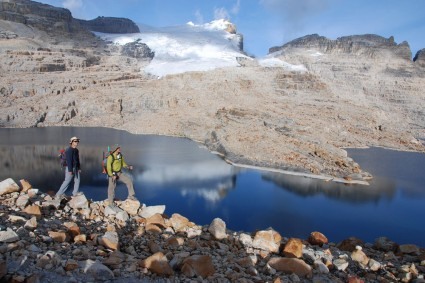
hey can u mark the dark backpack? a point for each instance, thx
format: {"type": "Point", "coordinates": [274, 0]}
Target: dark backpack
{"type": "Point", "coordinates": [62, 157]}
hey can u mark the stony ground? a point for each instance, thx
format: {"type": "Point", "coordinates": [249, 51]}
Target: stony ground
{"type": "Point", "coordinates": [266, 117]}
{"type": "Point", "coordinates": [78, 240]}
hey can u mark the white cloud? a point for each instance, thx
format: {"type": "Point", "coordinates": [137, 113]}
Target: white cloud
{"type": "Point", "coordinates": [199, 17]}
{"type": "Point", "coordinates": [221, 13]}
{"type": "Point", "coordinates": [235, 9]}
{"type": "Point", "coordinates": [72, 5]}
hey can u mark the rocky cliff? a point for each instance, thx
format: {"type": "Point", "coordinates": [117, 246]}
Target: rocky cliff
{"type": "Point", "coordinates": [42, 16]}
{"type": "Point", "coordinates": [110, 25]}
{"type": "Point", "coordinates": [368, 45]}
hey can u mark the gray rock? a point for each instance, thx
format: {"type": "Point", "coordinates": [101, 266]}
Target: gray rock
{"type": "Point", "coordinates": [8, 236]}
{"type": "Point", "coordinates": [97, 270]}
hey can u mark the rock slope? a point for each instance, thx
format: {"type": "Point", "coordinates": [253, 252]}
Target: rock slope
{"type": "Point", "coordinates": [78, 240]}
{"type": "Point", "coordinates": [355, 92]}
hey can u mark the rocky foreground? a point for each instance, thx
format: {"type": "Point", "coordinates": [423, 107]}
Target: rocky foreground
{"type": "Point", "coordinates": [79, 240]}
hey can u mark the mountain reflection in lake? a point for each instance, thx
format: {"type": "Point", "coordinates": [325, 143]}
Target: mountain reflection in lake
{"type": "Point", "coordinates": [201, 186]}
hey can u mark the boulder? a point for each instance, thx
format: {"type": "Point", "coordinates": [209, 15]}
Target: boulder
{"type": "Point", "coordinates": [317, 238]}
{"type": "Point", "coordinates": [8, 236]}
{"type": "Point", "coordinates": [217, 228]}
{"type": "Point", "coordinates": [148, 211]}
{"type": "Point", "coordinates": [110, 240]}
{"type": "Point", "coordinates": [293, 248]}
{"type": "Point", "coordinates": [97, 270]}
{"type": "Point", "coordinates": [267, 240]}
{"type": "Point", "coordinates": [291, 265]}
{"type": "Point", "coordinates": [8, 186]}
{"type": "Point", "coordinates": [158, 263]}
{"type": "Point", "coordinates": [198, 265]}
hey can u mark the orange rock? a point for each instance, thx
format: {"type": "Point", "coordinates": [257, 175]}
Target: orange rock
{"type": "Point", "coordinates": [293, 248]}
{"type": "Point", "coordinates": [317, 238]}
{"type": "Point", "coordinates": [157, 263]}
{"type": "Point", "coordinates": [25, 185]}
{"type": "Point", "coordinates": [198, 265]}
{"type": "Point", "coordinates": [33, 210]}
{"type": "Point", "coordinates": [291, 265]}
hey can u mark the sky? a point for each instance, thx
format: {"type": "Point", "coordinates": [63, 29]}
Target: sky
{"type": "Point", "coordinates": [268, 23]}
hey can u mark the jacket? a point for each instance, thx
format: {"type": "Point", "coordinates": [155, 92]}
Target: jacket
{"type": "Point", "coordinates": [115, 163]}
{"type": "Point", "coordinates": [72, 159]}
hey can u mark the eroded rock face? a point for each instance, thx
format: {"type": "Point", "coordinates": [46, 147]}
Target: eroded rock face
{"type": "Point", "coordinates": [110, 25]}
{"type": "Point", "coordinates": [369, 45]}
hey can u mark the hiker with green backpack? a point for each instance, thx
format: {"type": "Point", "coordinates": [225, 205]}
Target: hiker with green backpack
{"type": "Point", "coordinates": [114, 164]}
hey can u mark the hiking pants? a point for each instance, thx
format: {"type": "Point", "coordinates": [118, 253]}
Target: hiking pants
{"type": "Point", "coordinates": [68, 178]}
{"type": "Point", "coordinates": [112, 184]}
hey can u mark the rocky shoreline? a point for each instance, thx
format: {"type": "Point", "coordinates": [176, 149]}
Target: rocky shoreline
{"type": "Point", "coordinates": [80, 240]}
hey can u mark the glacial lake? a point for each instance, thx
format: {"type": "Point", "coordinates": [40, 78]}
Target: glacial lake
{"type": "Point", "coordinates": [191, 181]}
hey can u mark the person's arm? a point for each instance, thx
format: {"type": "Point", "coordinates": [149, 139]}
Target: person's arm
{"type": "Point", "coordinates": [125, 165]}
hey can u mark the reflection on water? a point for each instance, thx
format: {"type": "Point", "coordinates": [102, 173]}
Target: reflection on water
{"type": "Point", "coordinates": [193, 182]}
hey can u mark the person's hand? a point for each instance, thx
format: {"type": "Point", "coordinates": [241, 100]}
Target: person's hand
{"type": "Point", "coordinates": [130, 167]}
{"type": "Point", "coordinates": [71, 173]}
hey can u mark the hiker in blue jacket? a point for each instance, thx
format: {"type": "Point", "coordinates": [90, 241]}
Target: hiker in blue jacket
{"type": "Point", "coordinates": [72, 169]}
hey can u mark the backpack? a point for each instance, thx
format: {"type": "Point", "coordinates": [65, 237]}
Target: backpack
{"type": "Point", "coordinates": [62, 157]}
{"type": "Point", "coordinates": [105, 161]}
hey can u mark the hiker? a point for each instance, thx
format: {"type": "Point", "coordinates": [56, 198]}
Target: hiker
{"type": "Point", "coordinates": [72, 169]}
{"type": "Point", "coordinates": [114, 164]}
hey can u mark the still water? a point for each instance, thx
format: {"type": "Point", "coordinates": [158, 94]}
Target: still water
{"type": "Point", "coordinates": [191, 181]}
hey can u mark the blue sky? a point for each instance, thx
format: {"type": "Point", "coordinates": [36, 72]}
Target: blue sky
{"type": "Point", "coordinates": [268, 23]}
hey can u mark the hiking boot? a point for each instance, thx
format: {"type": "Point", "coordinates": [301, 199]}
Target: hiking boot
{"type": "Point", "coordinates": [132, 198]}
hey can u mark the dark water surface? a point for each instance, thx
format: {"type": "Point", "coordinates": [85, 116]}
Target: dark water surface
{"type": "Point", "coordinates": [199, 185]}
